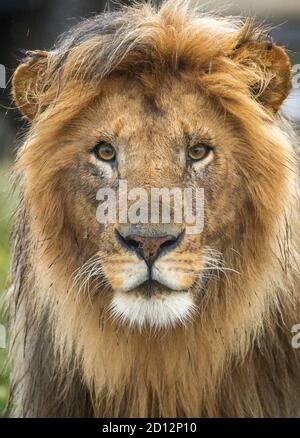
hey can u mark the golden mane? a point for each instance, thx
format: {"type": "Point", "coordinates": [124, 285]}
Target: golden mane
{"type": "Point", "coordinates": [236, 359]}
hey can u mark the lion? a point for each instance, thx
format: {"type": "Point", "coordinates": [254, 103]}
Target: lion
{"type": "Point", "coordinates": [125, 319]}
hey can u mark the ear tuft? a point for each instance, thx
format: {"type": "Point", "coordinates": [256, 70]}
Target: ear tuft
{"type": "Point", "coordinates": [276, 61]}
{"type": "Point", "coordinates": [27, 83]}
{"type": "Point", "coordinates": [268, 66]}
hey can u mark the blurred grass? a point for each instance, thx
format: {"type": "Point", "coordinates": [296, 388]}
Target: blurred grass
{"type": "Point", "coordinates": [6, 208]}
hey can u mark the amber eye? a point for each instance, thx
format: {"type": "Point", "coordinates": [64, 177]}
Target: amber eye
{"type": "Point", "coordinates": [105, 152]}
{"type": "Point", "coordinates": [198, 151]}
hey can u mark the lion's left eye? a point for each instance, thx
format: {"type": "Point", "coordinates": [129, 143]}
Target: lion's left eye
{"type": "Point", "coordinates": [198, 152]}
{"type": "Point", "coordinates": [105, 152]}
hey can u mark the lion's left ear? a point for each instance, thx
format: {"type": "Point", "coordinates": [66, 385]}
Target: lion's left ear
{"type": "Point", "coordinates": [271, 80]}
{"type": "Point", "coordinates": [28, 81]}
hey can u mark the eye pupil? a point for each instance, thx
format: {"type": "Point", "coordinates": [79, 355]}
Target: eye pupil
{"type": "Point", "coordinates": [105, 152]}
{"type": "Point", "coordinates": [196, 149]}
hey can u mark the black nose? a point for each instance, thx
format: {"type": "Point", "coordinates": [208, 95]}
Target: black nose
{"type": "Point", "coordinates": [149, 247]}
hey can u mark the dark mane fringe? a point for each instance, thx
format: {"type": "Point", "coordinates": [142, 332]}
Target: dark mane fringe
{"type": "Point", "coordinates": [145, 38]}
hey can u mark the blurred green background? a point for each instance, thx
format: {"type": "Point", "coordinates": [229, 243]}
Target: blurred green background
{"type": "Point", "coordinates": [35, 24]}
{"type": "Point", "coordinates": [6, 207]}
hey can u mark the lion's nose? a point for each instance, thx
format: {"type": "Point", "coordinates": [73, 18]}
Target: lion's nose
{"type": "Point", "coordinates": [150, 247]}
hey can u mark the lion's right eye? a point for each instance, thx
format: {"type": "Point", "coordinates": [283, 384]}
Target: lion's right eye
{"type": "Point", "coordinates": [105, 151]}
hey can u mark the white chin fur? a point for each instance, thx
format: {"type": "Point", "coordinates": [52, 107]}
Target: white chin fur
{"type": "Point", "coordinates": [156, 311]}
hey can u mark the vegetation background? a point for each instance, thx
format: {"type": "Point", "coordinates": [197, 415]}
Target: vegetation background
{"type": "Point", "coordinates": [6, 206]}
{"type": "Point", "coordinates": [35, 24]}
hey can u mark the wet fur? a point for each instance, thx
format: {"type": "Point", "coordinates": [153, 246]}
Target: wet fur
{"type": "Point", "coordinates": [235, 359]}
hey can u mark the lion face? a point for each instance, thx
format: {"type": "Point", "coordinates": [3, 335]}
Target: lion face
{"type": "Point", "coordinates": [167, 111]}
{"type": "Point", "coordinates": [156, 272]}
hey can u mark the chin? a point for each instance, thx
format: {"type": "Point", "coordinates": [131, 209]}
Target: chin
{"type": "Point", "coordinates": [156, 310]}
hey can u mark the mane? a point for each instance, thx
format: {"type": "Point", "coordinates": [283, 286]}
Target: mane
{"type": "Point", "coordinates": [220, 364]}
{"type": "Point", "coordinates": [147, 41]}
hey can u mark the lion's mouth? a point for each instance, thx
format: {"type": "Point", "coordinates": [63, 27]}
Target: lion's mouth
{"type": "Point", "coordinates": [165, 277]}
{"type": "Point", "coordinates": [148, 302]}
{"type": "Point", "coordinates": [152, 287]}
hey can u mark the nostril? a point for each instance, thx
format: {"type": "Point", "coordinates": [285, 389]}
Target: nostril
{"type": "Point", "coordinates": [169, 242]}
{"type": "Point", "coordinates": [132, 243]}
{"type": "Point", "coordinates": [127, 242]}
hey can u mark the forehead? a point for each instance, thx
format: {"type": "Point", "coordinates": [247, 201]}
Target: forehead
{"type": "Point", "coordinates": [127, 108]}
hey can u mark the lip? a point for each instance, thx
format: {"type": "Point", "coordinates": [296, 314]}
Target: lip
{"type": "Point", "coordinates": [152, 287]}
{"type": "Point", "coordinates": [151, 282]}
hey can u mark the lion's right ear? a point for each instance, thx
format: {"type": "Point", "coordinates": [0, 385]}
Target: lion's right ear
{"type": "Point", "coordinates": [28, 82]}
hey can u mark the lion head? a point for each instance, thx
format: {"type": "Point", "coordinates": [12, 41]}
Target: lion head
{"type": "Point", "coordinates": [162, 98]}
